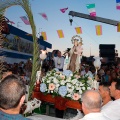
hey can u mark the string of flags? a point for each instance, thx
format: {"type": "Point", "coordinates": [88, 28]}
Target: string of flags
{"type": "Point", "coordinates": [92, 12]}
{"type": "Point", "coordinates": [91, 9]}
{"type": "Point", "coordinates": [77, 29]}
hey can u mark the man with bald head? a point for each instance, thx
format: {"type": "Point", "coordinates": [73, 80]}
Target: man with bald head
{"type": "Point", "coordinates": [91, 106]}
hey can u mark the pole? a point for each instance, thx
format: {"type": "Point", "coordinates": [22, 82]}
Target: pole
{"type": "Point", "coordinates": [90, 49]}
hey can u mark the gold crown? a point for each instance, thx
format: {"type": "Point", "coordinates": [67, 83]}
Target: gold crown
{"type": "Point", "coordinates": [74, 39]}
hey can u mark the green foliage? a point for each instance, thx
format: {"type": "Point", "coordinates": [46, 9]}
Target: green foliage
{"type": "Point", "coordinates": [25, 4]}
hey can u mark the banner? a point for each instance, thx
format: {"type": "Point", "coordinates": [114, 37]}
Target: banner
{"type": "Point", "coordinates": [91, 9]}
{"type": "Point", "coordinates": [60, 33]}
{"type": "Point", "coordinates": [11, 22]}
{"type": "Point", "coordinates": [118, 27]}
{"type": "Point", "coordinates": [25, 20]}
{"type": "Point", "coordinates": [78, 30]}
{"type": "Point", "coordinates": [118, 4]}
{"type": "Point", "coordinates": [63, 10]}
{"type": "Point", "coordinates": [98, 29]}
{"type": "Point", "coordinates": [44, 16]}
{"type": "Point", "coordinates": [44, 35]}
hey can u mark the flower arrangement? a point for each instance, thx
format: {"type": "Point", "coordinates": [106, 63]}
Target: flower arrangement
{"type": "Point", "coordinates": [65, 84]}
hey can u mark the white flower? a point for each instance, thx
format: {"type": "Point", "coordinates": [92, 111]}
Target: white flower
{"type": "Point", "coordinates": [69, 95]}
{"type": "Point", "coordinates": [77, 84]}
{"type": "Point", "coordinates": [73, 87]}
{"type": "Point", "coordinates": [57, 85]}
{"type": "Point", "coordinates": [51, 78]}
{"type": "Point", "coordinates": [48, 74]}
{"type": "Point", "coordinates": [80, 91]}
{"type": "Point", "coordinates": [74, 81]}
{"type": "Point", "coordinates": [90, 82]}
{"type": "Point", "coordinates": [83, 88]}
{"type": "Point", "coordinates": [51, 91]}
{"type": "Point", "coordinates": [69, 85]}
{"type": "Point", "coordinates": [55, 80]}
{"type": "Point", "coordinates": [65, 85]}
{"type": "Point", "coordinates": [56, 90]}
{"type": "Point", "coordinates": [81, 84]}
{"type": "Point", "coordinates": [48, 81]}
{"type": "Point", "coordinates": [62, 82]}
{"type": "Point", "coordinates": [88, 88]}
{"type": "Point", "coordinates": [68, 79]}
{"type": "Point", "coordinates": [77, 88]}
{"type": "Point", "coordinates": [70, 90]}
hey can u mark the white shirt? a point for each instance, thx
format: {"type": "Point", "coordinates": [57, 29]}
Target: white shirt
{"type": "Point", "coordinates": [106, 105]}
{"type": "Point", "coordinates": [94, 116]}
{"type": "Point", "coordinates": [59, 62]}
{"type": "Point", "coordinates": [113, 110]}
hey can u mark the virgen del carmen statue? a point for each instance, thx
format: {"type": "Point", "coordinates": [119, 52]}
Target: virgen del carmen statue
{"type": "Point", "coordinates": [64, 89]}
{"type": "Point", "coordinates": [73, 57]}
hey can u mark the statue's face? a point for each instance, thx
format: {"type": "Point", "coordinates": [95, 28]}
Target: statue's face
{"type": "Point", "coordinates": [75, 42]}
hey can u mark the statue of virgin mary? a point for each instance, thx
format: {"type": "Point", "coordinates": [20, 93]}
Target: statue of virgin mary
{"type": "Point", "coordinates": [75, 54]}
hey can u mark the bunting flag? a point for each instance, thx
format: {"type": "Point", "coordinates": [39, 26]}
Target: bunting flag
{"type": "Point", "coordinates": [118, 4]}
{"type": "Point", "coordinates": [78, 30]}
{"type": "Point", "coordinates": [29, 34]}
{"type": "Point", "coordinates": [44, 16]}
{"type": "Point", "coordinates": [60, 33]}
{"type": "Point", "coordinates": [63, 10]}
{"type": "Point", "coordinates": [91, 9]}
{"type": "Point", "coordinates": [118, 27]}
{"type": "Point", "coordinates": [25, 20]}
{"type": "Point", "coordinates": [44, 35]}
{"type": "Point", "coordinates": [98, 29]}
{"type": "Point", "coordinates": [11, 22]}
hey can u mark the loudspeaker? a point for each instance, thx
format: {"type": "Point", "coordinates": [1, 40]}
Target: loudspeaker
{"type": "Point", "coordinates": [107, 46]}
{"type": "Point", "coordinates": [107, 55]}
{"type": "Point", "coordinates": [107, 50]}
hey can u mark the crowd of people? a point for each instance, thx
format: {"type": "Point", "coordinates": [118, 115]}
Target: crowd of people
{"type": "Point", "coordinates": [21, 69]}
{"type": "Point", "coordinates": [101, 104]}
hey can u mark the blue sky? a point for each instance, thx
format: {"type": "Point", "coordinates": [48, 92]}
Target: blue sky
{"type": "Point", "coordinates": [58, 20]}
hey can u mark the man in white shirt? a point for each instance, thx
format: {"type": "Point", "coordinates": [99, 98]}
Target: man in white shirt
{"type": "Point", "coordinates": [59, 61]}
{"type": "Point", "coordinates": [86, 72]}
{"type": "Point", "coordinates": [105, 94]}
{"type": "Point", "coordinates": [113, 111]}
{"type": "Point", "coordinates": [91, 105]}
